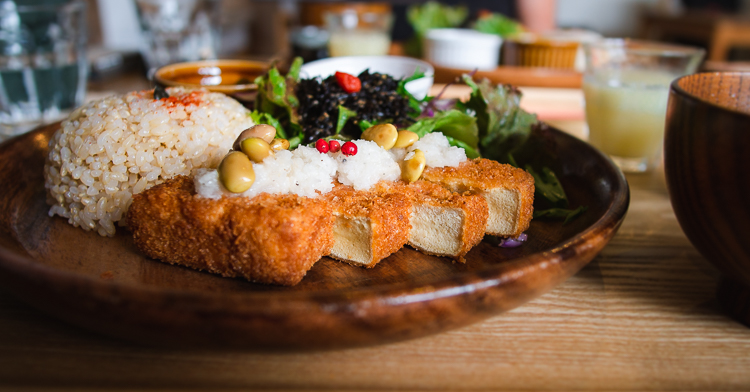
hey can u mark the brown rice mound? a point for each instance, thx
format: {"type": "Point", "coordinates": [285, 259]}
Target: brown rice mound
{"type": "Point", "coordinates": [111, 149]}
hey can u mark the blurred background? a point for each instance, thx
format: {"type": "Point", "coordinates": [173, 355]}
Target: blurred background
{"type": "Point", "coordinates": [266, 30]}
{"type": "Point", "coordinates": [54, 54]}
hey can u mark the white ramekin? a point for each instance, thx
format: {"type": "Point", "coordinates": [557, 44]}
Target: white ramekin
{"type": "Point", "coordinates": [462, 48]}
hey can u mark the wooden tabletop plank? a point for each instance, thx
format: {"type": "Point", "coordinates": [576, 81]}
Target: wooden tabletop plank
{"type": "Point", "coordinates": [642, 315]}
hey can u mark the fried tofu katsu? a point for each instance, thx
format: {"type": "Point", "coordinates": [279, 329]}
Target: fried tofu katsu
{"type": "Point", "coordinates": [276, 239]}
{"type": "Point", "coordinates": [509, 191]}
{"type": "Point", "coordinates": [368, 225]}
{"type": "Point", "coordinates": [444, 223]}
{"type": "Point", "coordinates": [268, 239]}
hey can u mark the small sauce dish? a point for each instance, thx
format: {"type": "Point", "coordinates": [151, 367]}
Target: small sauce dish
{"type": "Point", "coordinates": [224, 76]}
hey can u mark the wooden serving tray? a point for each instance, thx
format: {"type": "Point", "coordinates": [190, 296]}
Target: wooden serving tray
{"type": "Point", "coordinates": [106, 285]}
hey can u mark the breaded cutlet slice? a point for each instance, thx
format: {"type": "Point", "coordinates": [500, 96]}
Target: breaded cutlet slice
{"type": "Point", "coordinates": [509, 191]}
{"type": "Point", "coordinates": [368, 225]}
{"type": "Point", "coordinates": [444, 223]}
{"type": "Point", "coordinates": [267, 239]}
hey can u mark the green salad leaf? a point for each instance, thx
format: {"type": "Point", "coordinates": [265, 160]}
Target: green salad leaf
{"type": "Point", "coordinates": [497, 24]}
{"type": "Point", "coordinates": [564, 214]}
{"type": "Point", "coordinates": [295, 130]}
{"type": "Point", "coordinates": [503, 129]}
{"type": "Point", "coordinates": [276, 100]}
{"type": "Point", "coordinates": [550, 200]}
{"type": "Point", "coordinates": [548, 187]}
{"type": "Point", "coordinates": [459, 127]}
{"type": "Point", "coordinates": [414, 103]}
{"type": "Point", "coordinates": [431, 15]}
{"type": "Point", "coordinates": [503, 125]}
{"type": "Point", "coordinates": [344, 116]}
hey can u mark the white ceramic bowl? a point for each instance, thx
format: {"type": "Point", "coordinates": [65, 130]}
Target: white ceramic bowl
{"type": "Point", "coordinates": [397, 67]}
{"type": "Point", "coordinates": [462, 48]}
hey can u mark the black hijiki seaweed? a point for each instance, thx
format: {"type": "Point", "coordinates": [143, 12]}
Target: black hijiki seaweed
{"type": "Point", "coordinates": [378, 100]}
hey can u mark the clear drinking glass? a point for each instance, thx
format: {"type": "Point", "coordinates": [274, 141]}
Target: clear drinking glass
{"type": "Point", "coordinates": [43, 65]}
{"type": "Point", "coordinates": [178, 30]}
{"type": "Point", "coordinates": [358, 34]}
{"type": "Point", "coordinates": [626, 86]}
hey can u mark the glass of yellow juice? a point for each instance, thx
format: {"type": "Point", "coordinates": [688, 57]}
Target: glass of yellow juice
{"type": "Point", "coordinates": [358, 33]}
{"type": "Point", "coordinates": [626, 86]}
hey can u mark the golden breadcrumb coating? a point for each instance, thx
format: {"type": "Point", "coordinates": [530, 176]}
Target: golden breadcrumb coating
{"type": "Point", "coordinates": [267, 239]}
{"type": "Point", "coordinates": [385, 212]}
{"type": "Point", "coordinates": [484, 176]}
{"type": "Point", "coordinates": [473, 222]}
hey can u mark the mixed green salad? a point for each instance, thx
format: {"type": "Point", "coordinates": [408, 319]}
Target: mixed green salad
{"type": "Point", "coordinates": [435, 15]}
{"type": "Point", "coordinates": [491, 124]}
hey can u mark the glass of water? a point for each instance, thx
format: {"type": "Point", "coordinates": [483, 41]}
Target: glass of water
{"type": "Point", "coordinates": [43, 65]}
{"type": "Point", "coordinates": [178, 30]}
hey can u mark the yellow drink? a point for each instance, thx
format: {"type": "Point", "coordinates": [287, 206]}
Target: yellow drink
{"type": "Point", "coordinates": [626, 112]}
{"type": "Point", "coordinates": [359, 43]}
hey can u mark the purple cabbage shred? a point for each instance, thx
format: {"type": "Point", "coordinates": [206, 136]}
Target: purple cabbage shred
{"type": "Point", "coordinates": [514, 242]}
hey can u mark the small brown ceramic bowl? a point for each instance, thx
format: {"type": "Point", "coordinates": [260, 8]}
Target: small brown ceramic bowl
{"type": "Point", "coordinates": [232, 77]}
{"type": "Point", "coordinates": [707, 165]}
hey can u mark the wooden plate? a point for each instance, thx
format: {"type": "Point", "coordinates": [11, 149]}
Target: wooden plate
{"type": "Point", "coordinates": [105, 285]}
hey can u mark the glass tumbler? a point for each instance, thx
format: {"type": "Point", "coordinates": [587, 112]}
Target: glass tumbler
{"type": "Point", "coordinates": [43, 66]}
{"type": "Point", "coordinates": [178, 30]}
{"type": "Point", "coordinates": [626, 86]}
{"type": "Point", "coordinates": [358, 33]}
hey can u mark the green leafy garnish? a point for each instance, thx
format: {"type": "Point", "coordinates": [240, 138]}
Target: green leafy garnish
{"type": "Point", "coordinates": [293, 129]}
{"type": "Point", "coordinates": [548, 187]}
{"type": "Point", "coordinates": [503, 129]}
{"type": "Point", "coordinates": [344, 116]}
{"type": "Point", "coordinates": [431, 15]}
{"type": "Point", "coordinates": [265, 118]}
{"type": "Point", "coordinates": [364, 124]}
{"type": "Point", "coordinates": [503, 125]}
{"type": "Point", "coordinates": [563, 214]}
{"type": "Point", "coordinates": [293, 73]}
{"type": "Point", "coordinates": [459, 127]}
{"type": "Point", "coordinates": [276, 100]}
{"type": "Point", "coordinates": [414, 103]}
{"type": "Point", "coordinates": [498, 24]}
{"type": "Point", "coordinates": [550, 200]}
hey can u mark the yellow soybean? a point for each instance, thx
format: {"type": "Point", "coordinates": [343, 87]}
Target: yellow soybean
{"type": "Point", "coordinates": [256, 149]}
{"type": "Point", "coordinates": [412, 168]}
{"type": "Point", "coordinates": [405, 139]}
{"type": "Point", "coordinates": [236, 172]}
{"type": "Point", "coordinates": [384, 135]}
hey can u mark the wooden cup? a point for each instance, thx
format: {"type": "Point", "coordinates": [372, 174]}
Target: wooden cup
{"type": "Point", "coordinates": [707, 165]}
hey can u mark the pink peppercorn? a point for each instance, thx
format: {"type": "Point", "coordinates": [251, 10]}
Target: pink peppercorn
{"type": "Point", "coordinates": [334, 146]}
{"type": "Point", "coordinates": [349, 148]}
{"type": "Point", "coordinates": [322, 146]}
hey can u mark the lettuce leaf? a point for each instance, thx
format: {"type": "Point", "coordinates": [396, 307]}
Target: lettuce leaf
{"type": "Point", "coordinates": [292, 129]}
{"type": "Point", "coordinates": [414, 103]}
{"type": "Point", "coordinates": [459, 127]}
{"type": "Point", "coordinates": [431, 15]}
{"type": "Point", "coordinates": [503, 129]}
{"type": "Point", "coordinates": [276, 100]}
{"type": "Point", "coordinates": [344, 116]}
{"type": "Point", "coordinates": [503, 126]}
{"type": "Point", "coordinates": [497, 24]}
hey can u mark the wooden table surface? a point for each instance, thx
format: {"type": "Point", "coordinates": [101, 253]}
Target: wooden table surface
{"type": "Point", "coordinates": [642, 315]}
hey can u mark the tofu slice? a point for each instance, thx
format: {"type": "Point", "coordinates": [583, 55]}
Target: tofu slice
{"type": "Point", "coordinates": [368, 225]}
{"type": "Point", "coordinates": [509, 192]}
{"type": "Point", "coordinates": [445, 223]}
{"type": "Point", "coordinates": [271, 239]}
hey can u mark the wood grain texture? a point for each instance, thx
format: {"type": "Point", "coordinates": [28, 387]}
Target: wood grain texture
{"type": "Point", "coordinates": [106, 285]}
{"type": "Point", "coordinates": [641, 316]}
{"type": "Point", "coordinates": [517, 76]}
{"type": "Point", "coordinates": [706, 165]}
